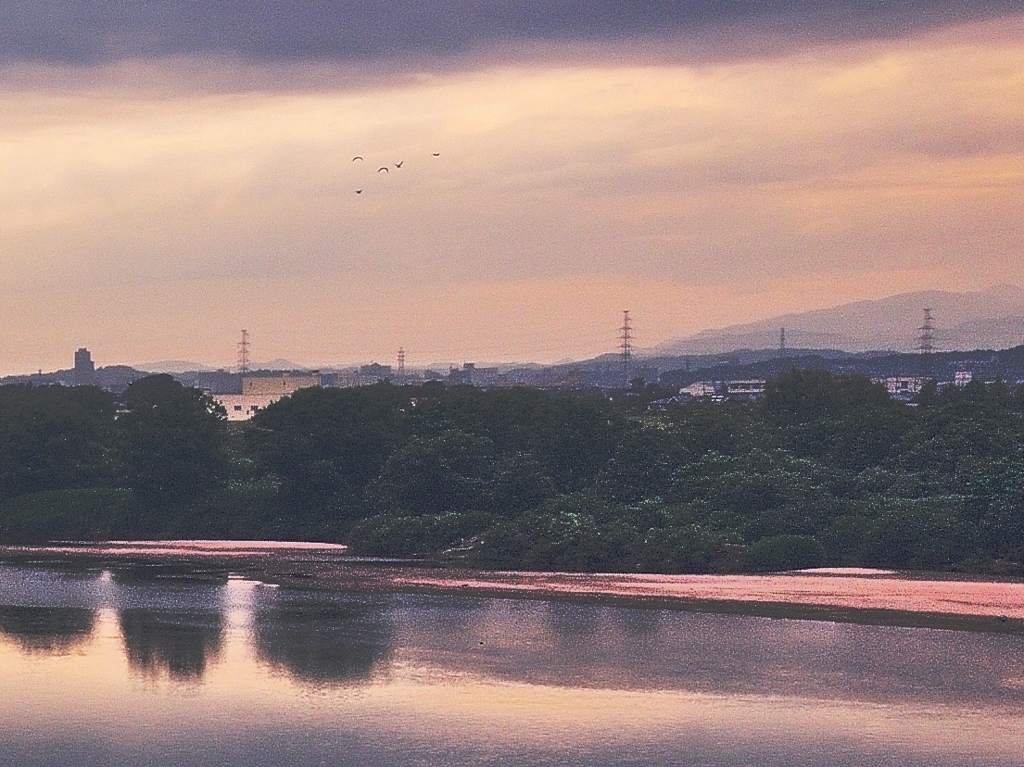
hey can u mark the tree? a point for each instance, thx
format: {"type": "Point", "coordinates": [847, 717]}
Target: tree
{"type": "Point", "coordinates": [785, 552]}
{"type": "Point", "coordinates": [54, 438]}
{"type": "Point", "coordinates": [433, 475]}
{"type": "Point", "coordinates": [846, 421]}
{"type": "Point", "coordinates": [571, 437]}
{"type": "Point", "coordinates": [326, 445]}
{"type": "Point", "coordinates": [171, 440]}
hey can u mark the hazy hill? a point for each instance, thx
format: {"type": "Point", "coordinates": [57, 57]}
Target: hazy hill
{"type": "Point", "coordinates": [992, 318]}
{"type": "Point", "coordinates": [173, 366]}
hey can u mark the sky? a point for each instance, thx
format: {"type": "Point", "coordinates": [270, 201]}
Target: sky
{"type": "Point", "coordinates": [174, 172]}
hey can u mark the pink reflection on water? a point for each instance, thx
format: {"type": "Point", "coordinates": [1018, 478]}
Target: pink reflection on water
{"type": "Point", "coordinates": [327, 565]}
{"type": "Point", "coordinates": [194, 548]}
{"type": "Point", "coordinates": [878, 590]}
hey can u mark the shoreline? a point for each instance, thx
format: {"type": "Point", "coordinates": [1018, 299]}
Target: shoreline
{"type": "Point", "coordinates": [913, 600]}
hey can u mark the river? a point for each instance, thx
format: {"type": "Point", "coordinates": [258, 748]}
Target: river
{"type": "Point", "coordinates": [158, 664]}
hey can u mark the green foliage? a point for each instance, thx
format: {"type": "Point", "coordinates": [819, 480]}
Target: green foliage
{"type": "Point", "coordinates": [171, 440]}
{"type": "Point", "coordinates": [581, 532]}
{"type": "Point", "coordinates": [961, 426]}
{"type": "Point", "coordinates": [84, 514]}
{"type": "Point", "coordinates": [405, 536]}
{"type": "Point", "coordinates": [642, 464]}
{"type": "Point", "coordinates": [1001, 530]}
{"type": "Point", "coordinates": [430, 475]}
{"type": "Point", "coordinates": [326, 445]}
{"type": "Point", "coordinates": [904, 533]}
{"type": "Point", "coordinates": [726, 428]}
{"type": "Point", "coordinates": [517, 482]}
{"type": "Point", "coordinates": [920, 534]}
{"type": "Point", "coordinates": [455, 471]}
{"type": "Point", "coordinates": [758, 494]}
{"type": "Point", "coordinates": [824, 470]}
{"type": "Point", "coordinates": [53, 438]}
{"type": "Point", "coordinates": [845, 421]}
{"type": "Point", "coordinates": [561, 537]}
{"type": "Point", "coordinates": [563, 534]}
{"type": "Point", "coordinates": [571, 437]}
{"type": "Point", "coordinates": [691, 548]}
{"type": "Point", "coordinates": [785, 552]}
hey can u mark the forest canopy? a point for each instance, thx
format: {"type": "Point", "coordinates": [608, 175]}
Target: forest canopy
{"type": "Point", "coordinates": [822, 470]}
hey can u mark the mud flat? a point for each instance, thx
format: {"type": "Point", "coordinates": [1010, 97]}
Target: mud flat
{"type": "Point", "coordinates": [857, 595]}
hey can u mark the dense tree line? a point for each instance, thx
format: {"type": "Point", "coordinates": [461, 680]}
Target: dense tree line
{"type": "Point", "coordinates": [823, 470]}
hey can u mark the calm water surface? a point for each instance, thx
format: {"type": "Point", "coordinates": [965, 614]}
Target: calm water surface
{"type": "Point", "coordinates": [156, 666]}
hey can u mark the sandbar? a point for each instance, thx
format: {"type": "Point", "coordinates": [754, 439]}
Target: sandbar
{"type": "Point", "coordinates": [934, 600]}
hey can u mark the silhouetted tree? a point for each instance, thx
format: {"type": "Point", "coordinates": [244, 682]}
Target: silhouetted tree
{"type": "Point", "coordinates": [326, 445]}
{"type": "Point", "coordinates": [170, 440]}
{"type": "Point", "coordinates": [53, 438]}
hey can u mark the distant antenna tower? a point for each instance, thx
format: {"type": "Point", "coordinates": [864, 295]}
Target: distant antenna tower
{"type": "Point", "coordinates": [782, 342]}
{"type": "Point", "coordinates": [926, 342]}
{"type": "Point", "coordinates": [626, 348]}
{"type": "Point", "coordinates": [401, 364]}
{"type": "Point", "coordinates": [243, 353]}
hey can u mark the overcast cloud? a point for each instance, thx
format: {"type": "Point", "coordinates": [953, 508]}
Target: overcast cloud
{"type": "Point", "coordinates": [101, 31]}
{"type": "Point", "coordinates": [171, 172]}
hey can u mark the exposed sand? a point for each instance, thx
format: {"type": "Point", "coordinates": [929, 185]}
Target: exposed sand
{"type": "Point", "coordinates": [855, 594]}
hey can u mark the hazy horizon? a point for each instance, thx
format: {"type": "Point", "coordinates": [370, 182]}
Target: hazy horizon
{"type": "Point", "coordinates": [172, 174]}
{"type": "Point", "coordinates": [957, 309]}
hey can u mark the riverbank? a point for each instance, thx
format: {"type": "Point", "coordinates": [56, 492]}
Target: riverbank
{"type": "Point", "coordinates": [934, 600]}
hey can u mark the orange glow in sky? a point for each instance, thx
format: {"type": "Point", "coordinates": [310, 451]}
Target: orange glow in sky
{"type": "Point", "coordinates": [149, 210]}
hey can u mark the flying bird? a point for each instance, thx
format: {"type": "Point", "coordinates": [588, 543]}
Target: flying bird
{"type": "Point", "coordinates": [437, 154]}
{"type": "Point", "coordinates": [399, 164]}
{"type": "Point", "coordinates": [382, 168]}
{"type": "Point", "coordinates": [359, 191]}
{"type": "Point", "coordinates": [357, 157]}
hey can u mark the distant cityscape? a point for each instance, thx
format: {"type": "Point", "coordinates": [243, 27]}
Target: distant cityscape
{"type": "Point", "coordinates": [677, 372]}
{"type": "Point", "coordinates": [900, 340]}
{"type": "Point", "coordinates": [738, 375]}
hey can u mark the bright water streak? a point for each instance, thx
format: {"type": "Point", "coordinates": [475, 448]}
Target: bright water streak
{"type": "Point", "coordinates": [157, 667]}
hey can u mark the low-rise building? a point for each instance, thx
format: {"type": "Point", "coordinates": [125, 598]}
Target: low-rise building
{"type": "Point", "coordinates": [902, 387]}
{"type": "Point", "coordinates": [749, 389]}
{"type": "Point", "coordinates": [242, 407]}
{"type": "Point", "coordinates": [279, 383]}
{"type": "Point", "coordinates": [462, 376]}
{"type": "Point", "coordinates": [699, 389]}
{"type": "Point", "coordinates": [741, 390]}
{"type": "Point", "coordinates": [261, 391]}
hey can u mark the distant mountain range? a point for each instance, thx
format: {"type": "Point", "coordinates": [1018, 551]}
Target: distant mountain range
{"type": "Point", "coordinates": [173, 367]}
{"type": "Point", "coordinates": [987, 319]}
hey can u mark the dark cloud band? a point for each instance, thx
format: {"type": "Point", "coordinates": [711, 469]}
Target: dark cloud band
{"type": "Point", "coordinates": [102, 31]}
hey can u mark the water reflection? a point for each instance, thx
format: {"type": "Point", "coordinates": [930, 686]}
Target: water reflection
{"type": "Point", "coordinates": [177, 643]}
{"type": "Point", "coordinates": [320, 638]}
{"type": "Point", "coordinates": [310, 678]}
{"type": "Point", "coordinates": [54, 630]}
{"type": "Point", "coordinates": [143, 573]}
{"type": "Point", "coordinates": [578, 645]}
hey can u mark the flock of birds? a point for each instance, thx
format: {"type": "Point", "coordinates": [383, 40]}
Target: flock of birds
{"type": "Point", "coordinates": [385, 168]}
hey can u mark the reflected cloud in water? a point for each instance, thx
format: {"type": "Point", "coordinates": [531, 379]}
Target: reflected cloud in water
{"type": "Point", "coordinates": [310, 678]}
{"type": "Point", "coordinates": [321, 638]}
{"type": "Point", "coordinates": [52, 630]}
{"type": "Point", "coordinates": [50, 586]}
{"type": "Point", "coordinates": [174, 621]}
{"type": "Point", "coordinates": [579, 645]}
